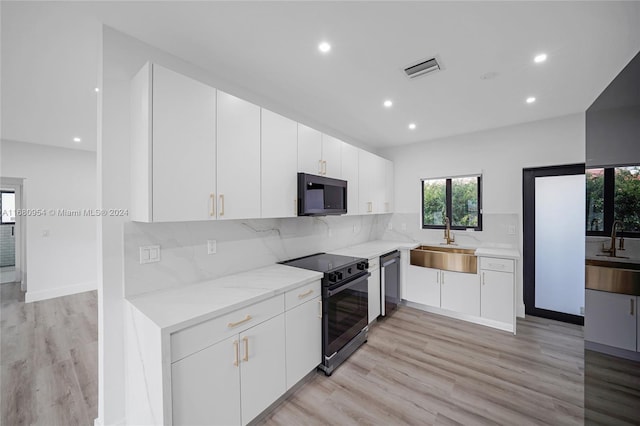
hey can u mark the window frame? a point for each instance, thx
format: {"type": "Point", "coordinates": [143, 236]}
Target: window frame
{"type": "Point", "coordinates": [449, 201]}
{"type": "Point", "coordinates": [1, 208]}
{"type": "Point", "coordinates": [608, 213]}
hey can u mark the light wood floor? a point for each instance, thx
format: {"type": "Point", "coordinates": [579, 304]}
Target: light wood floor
{"type": "Point", "coordinates": [48, 359]}
{"type": "Point", "coordinates": [418, 368]}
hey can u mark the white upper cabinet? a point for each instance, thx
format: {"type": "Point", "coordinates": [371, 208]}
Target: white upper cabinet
{"type": "Point", "coordinates": [309, 150]}
{"type": "Point", "coordinates": [372, 174]}
{"type": "Point", "coordinates": [279, 160]}
{"type": "Point", "coordinates": [238, 148]}
{"type": "Point", "coordinates": [173, 147]}
{"type": "Point", "coordinates": [319, 154]}
{"type": "Point", "coordinates": [350, 174]}
{"type": "Point", "coordinates": [388, 203]}
{"type": "Point", "coordinates": [332, 156]}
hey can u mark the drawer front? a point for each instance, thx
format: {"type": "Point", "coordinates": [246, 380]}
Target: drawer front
{"type": "Point", "coordinates": [295, 297]}
{"type": "Point", "coordinates": [195, 338]}
{"type": "Point", "coordinates": [493, 264]}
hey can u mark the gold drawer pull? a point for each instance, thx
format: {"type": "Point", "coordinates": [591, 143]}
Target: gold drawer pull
{"type": "Point", "coordinates": [235, 324]}
{"type": "Point", "coordinates": [236, 360]}
{"type": "Point", "coordinates": [305, 294]}
{"type": "Point", "coordinates": [245, 339]}
{"type": "Point", "coordinates": [212, 202]}
{"type": "Point", "coordinates": [221, 204]}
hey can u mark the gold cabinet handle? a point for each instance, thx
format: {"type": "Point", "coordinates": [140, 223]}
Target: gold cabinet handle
{"type": "Point", "coordinates": [369, 207]}
{"type": "Point", "coordinates": [235, 324]}
{"type": "Point", "coordinates": [324, 167]}
{"type": "Point", "coordinates": [236, 360]}
{"type": "Point", "coordinates": [320, 308]}
{"type": "Point", "coordinates": [212, 204]}
{"type": "Point", "coordinates": [305, 294]}
{"type": "Point", "coordinates": [221, 204]}
{"type": "Point", "coordinates": [319, 167]}
{"type": "Point", "coordinates": [245, 339]}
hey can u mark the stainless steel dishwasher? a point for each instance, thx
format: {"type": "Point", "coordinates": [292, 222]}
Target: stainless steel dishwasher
{"type": "Point", "coordinates": [389, 282]}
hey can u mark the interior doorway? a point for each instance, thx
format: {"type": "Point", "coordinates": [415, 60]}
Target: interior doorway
{"type": "Point", "coordinates": [554, 227]}
{"type": "Point", "coordinates": [12, 232]}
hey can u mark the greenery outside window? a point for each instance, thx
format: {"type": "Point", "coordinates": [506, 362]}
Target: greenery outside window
{"type": "Point", "coordinates": [613, 194]}
{"type": "Point", "coordinates": [458, 198]}
{"type": "Point", "coordinates": [8, 207]}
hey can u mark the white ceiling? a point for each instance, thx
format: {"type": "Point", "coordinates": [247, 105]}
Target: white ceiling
{"type": "Point", "coordinates": [50, 61]}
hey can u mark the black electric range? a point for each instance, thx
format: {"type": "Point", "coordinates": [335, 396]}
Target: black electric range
{"type": "Point", "coordinates": [345, 304]}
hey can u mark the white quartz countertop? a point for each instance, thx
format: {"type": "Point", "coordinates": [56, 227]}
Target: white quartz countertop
{"type": "Point", "coordinates": [375, 248]}
{"type": "Point", "coordinates": [501, 252]}
{"type": "Point", "coordinates": [179, 307]}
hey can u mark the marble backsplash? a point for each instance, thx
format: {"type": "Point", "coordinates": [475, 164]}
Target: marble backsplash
{"type": "Point", "coordinates": [594, 246]}
{"type": "Point", "coordinates": [495, 230]}
{"type": "Point", "coordinates": [241, 245]}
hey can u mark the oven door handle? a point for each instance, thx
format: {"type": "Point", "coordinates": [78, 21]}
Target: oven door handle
{"type": "Point", "coordinates": [333, 291]}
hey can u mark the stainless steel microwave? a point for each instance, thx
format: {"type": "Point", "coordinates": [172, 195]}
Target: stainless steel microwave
{"type": "Point", "coordinates": [321, 196]}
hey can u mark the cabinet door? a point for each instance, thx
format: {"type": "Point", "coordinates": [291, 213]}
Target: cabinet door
{"type": "Point", "coordinates": [350, 174]}
{"type": "Point", "coordinates": [366, 184]}
{"type": "Point", "coordinates": [374, 294]}
{"type": "Point", "coordinates": [388, 203]}
{"type": "Point", "coordinates": [205, 386]}
{"type": "Point", "coordinates": [184, 148]}
{"type": "Point", "coordinates": [332, 156]}
{"type": "Point", "coordinates": [496, 296]}
{"type": "Point", "coordinates": [422, 285]}
{"type": "Point", "coordinates": [238, 158]}
{"type": "Point", "coordinates": [637, 325]}
{"type": "Point", "coordinates": [263, 373]}
{"type": "Point", "coordinates": [610, 319]}
{"type": "Point", "coordinates": [304, 340]}
{"type": "Point", "coordinates": [279, 165]}
{"type": "Point", "coordinates": [460, 292]}
{"type": "Point", "coordinates": [309, 150]}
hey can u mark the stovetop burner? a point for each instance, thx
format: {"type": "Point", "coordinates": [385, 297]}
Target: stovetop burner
{"type": "Point", "coordinates": [323, 262]}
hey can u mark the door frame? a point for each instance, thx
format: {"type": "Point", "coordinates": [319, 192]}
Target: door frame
{"type": "Point", "coordinates": [17, 184]}
{"type": "Point", "coordinates": [529, 176]}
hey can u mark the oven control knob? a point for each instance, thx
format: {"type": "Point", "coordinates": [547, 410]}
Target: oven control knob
{"type": "Point", "coordinates": [362, 266]}
{"type": "Point", "coordinates": [339, 275]}
{"type": "Point", "coordinates": [332, 277]}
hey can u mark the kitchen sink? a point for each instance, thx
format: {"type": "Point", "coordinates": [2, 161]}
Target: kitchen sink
{"type": "Point", "coordinates": [613, 276]}
{"type": "Point", "coordinates": [447, 258]}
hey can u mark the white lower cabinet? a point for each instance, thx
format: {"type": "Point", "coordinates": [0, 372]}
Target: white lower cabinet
{"type": "Point", "coordinates": [232, 381]}
{"type": "Point", "coordinates": [496, 296]}
{"type": "Point", "coordinates": [304, 340]}
{"type": "Point", "coordinates": [373, 287]}
{"type": "Point", "coordinates": [460, 292]}
{"type": "Point", "coordinates": [610, 319]}
{"type": "Point", "coordinates": [422, 285]}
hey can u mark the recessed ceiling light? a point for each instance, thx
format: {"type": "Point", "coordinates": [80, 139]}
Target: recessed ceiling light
{"type": "Point", "coordinates": [412, 126]}
{"type": "Point", "coordinates": [388, 103]}
{"type": "Point", "coordinates": [97, 89]}
{"type": "Point", "coordinates": [531, 100]}
{"type": "Point", "coordinates": [540, 58]}
{"type": "Point", "coordinates": [77, 139]}
{"type": "Point", "coordinates": [324, 47]}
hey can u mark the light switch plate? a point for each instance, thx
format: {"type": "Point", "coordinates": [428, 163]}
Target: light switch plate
{"type": "Point", "coordinates": [212, 246]}
{"type": "Point", "coordinates": [511, 230]}
{"type": "Point", "coordinates": [149, 254]}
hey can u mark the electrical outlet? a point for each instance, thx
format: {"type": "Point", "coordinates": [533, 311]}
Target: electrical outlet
{"type": "Point", "coordinates": [581, 310]}
{"type": "Point", "coordinates": [511, 230]}
{"type": "Point", "coordinates": [212, 246]}
{"type": "Point", "coordinates": [149, 254]}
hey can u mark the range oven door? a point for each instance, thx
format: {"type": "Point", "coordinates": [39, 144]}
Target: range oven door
{"type": "Point", "coordinates": [346, 312]}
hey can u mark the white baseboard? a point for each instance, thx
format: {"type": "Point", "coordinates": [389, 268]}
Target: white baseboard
{"type": "Point", "coordinates": [98, 422]}
{"type": "Point", "coordinates": [520, 310]}
{"type": "Point", "coordinates": [34, 296]}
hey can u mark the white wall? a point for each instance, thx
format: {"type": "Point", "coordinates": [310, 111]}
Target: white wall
{"type": "Point", "coordinates": [500, 155]}
{"type": "Point", "coordinates": [60, 250]}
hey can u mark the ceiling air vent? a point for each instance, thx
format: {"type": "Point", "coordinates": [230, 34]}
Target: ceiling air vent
{"type": "Point", "coordinates": [421, 68]}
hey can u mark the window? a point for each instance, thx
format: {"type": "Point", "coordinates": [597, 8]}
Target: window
{"type": "Point", "coordinates": [456, 198]}
{"type": "Point", "coordinates": [8, 207]}
{"type": "Point", "coordinates": [613, 194]}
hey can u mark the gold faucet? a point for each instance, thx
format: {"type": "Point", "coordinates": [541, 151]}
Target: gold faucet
{"type": "Point", "coordinates": [612, 248]}
{"type": "Point", "coordinates": [447, 231]}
